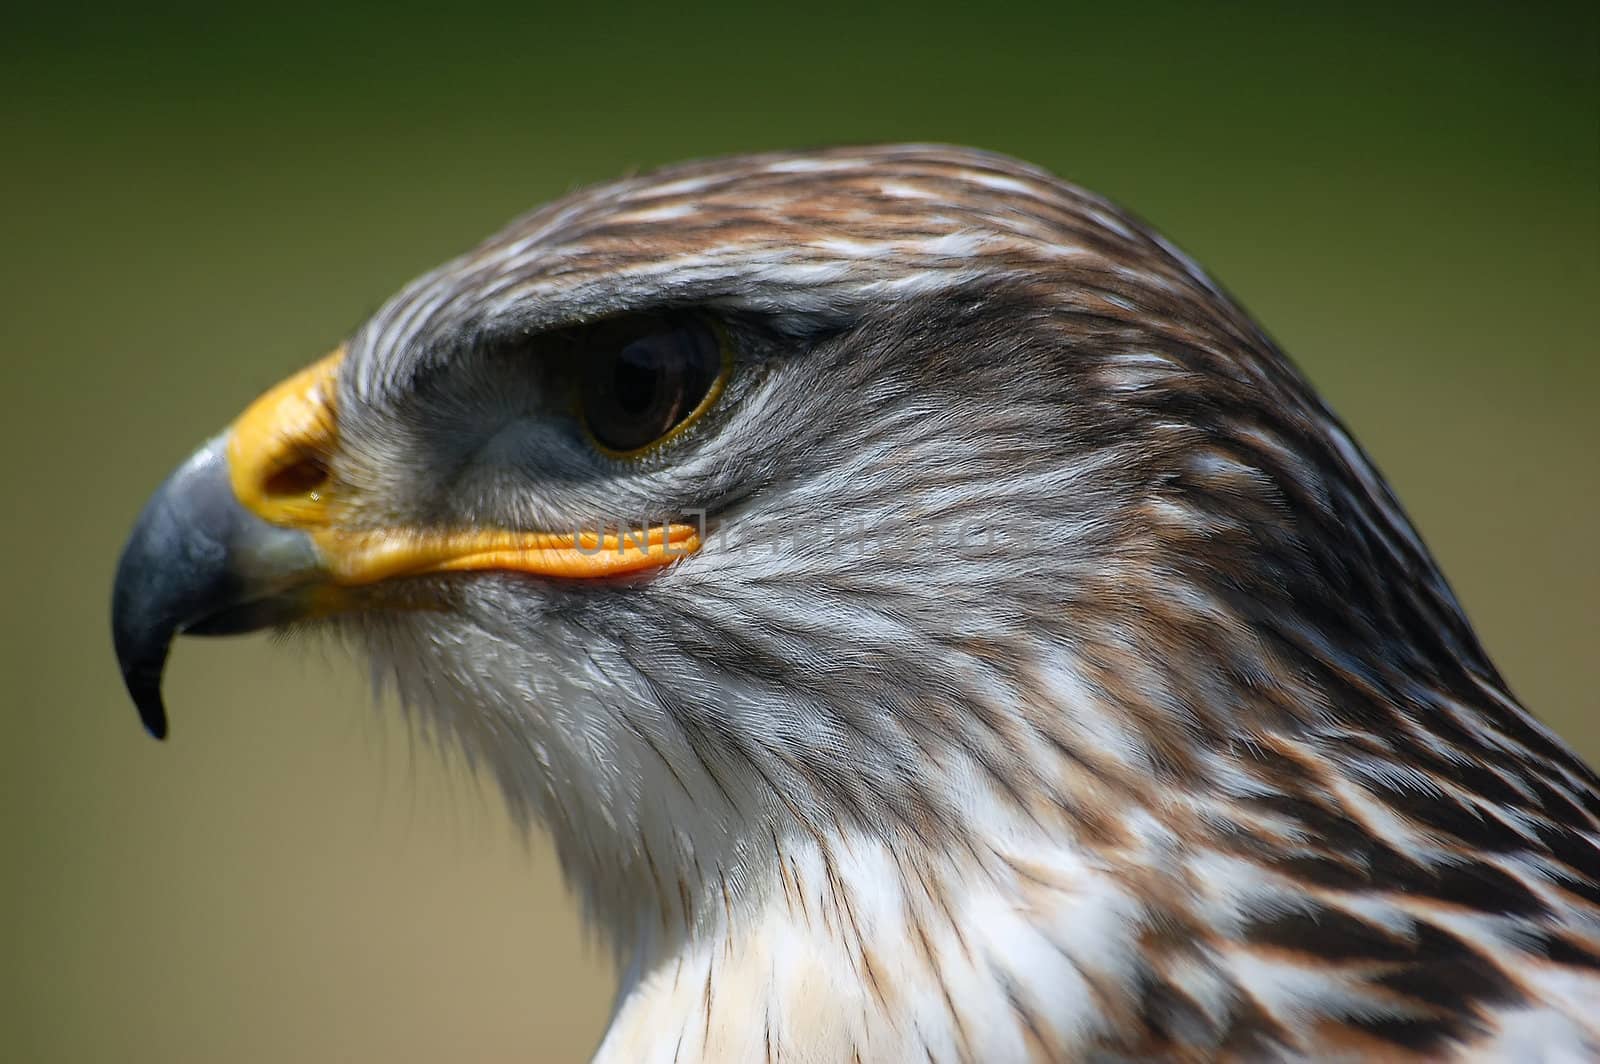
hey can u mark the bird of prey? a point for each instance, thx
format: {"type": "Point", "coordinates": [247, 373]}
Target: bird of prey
{"type": "Point", "coordinates": [932, 621]}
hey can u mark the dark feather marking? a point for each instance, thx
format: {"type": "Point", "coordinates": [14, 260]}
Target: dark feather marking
{"type": "Point", "coordinates": [1036, 1035]}
{"type": "Point", "coordinates": [1563, 949]}
{"type": "Point", "coordinates": [1330, 936]}
{"type": "Point", "coordinates": [705, 1036]}
{"type": "Point", "coordinates": [1173, 1017]}
{"type": "Point", "coordinates": [1450, 975]}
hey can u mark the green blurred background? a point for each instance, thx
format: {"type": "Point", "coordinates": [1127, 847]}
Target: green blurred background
{"type": "Point", "coordinates": [194, 204]}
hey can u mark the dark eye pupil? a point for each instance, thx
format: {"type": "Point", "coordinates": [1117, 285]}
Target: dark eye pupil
{"type": "Point", "coordinates": [635, 380]}
{"type": "Point", "coordinates": [642, 381]}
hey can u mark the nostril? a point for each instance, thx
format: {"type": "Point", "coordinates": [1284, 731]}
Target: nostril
{"type": "Point", "coordinates": [301, 477]}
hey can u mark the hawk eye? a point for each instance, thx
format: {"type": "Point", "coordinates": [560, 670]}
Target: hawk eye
{"type": "Point", "coordinates": [644, 381]}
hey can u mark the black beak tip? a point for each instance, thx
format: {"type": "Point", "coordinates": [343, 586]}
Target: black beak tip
{"type": "Point", "coordinates": [154, 716]}
{"type": "Point", "coordinates": [142, 666]}
{"type": "Point", "coordinates": [146, 694]}
{"type": "Point", "coordinates": [141, 641]}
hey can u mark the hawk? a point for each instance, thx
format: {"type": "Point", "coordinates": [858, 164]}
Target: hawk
{"type": "Point", "coordinates": [932, 621]}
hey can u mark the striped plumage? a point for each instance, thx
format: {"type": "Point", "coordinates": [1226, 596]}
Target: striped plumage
{"type": "Point", "coordinates": [1058, 679]}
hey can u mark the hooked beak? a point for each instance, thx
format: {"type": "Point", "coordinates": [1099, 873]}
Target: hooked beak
{"type": "Point", "coordinates": [253, 531]}
{"type": "Point", "coordinates": [199, 562]}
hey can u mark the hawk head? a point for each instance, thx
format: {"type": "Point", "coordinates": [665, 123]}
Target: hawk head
{"type": "Point", "coordinates": [903, 501]}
